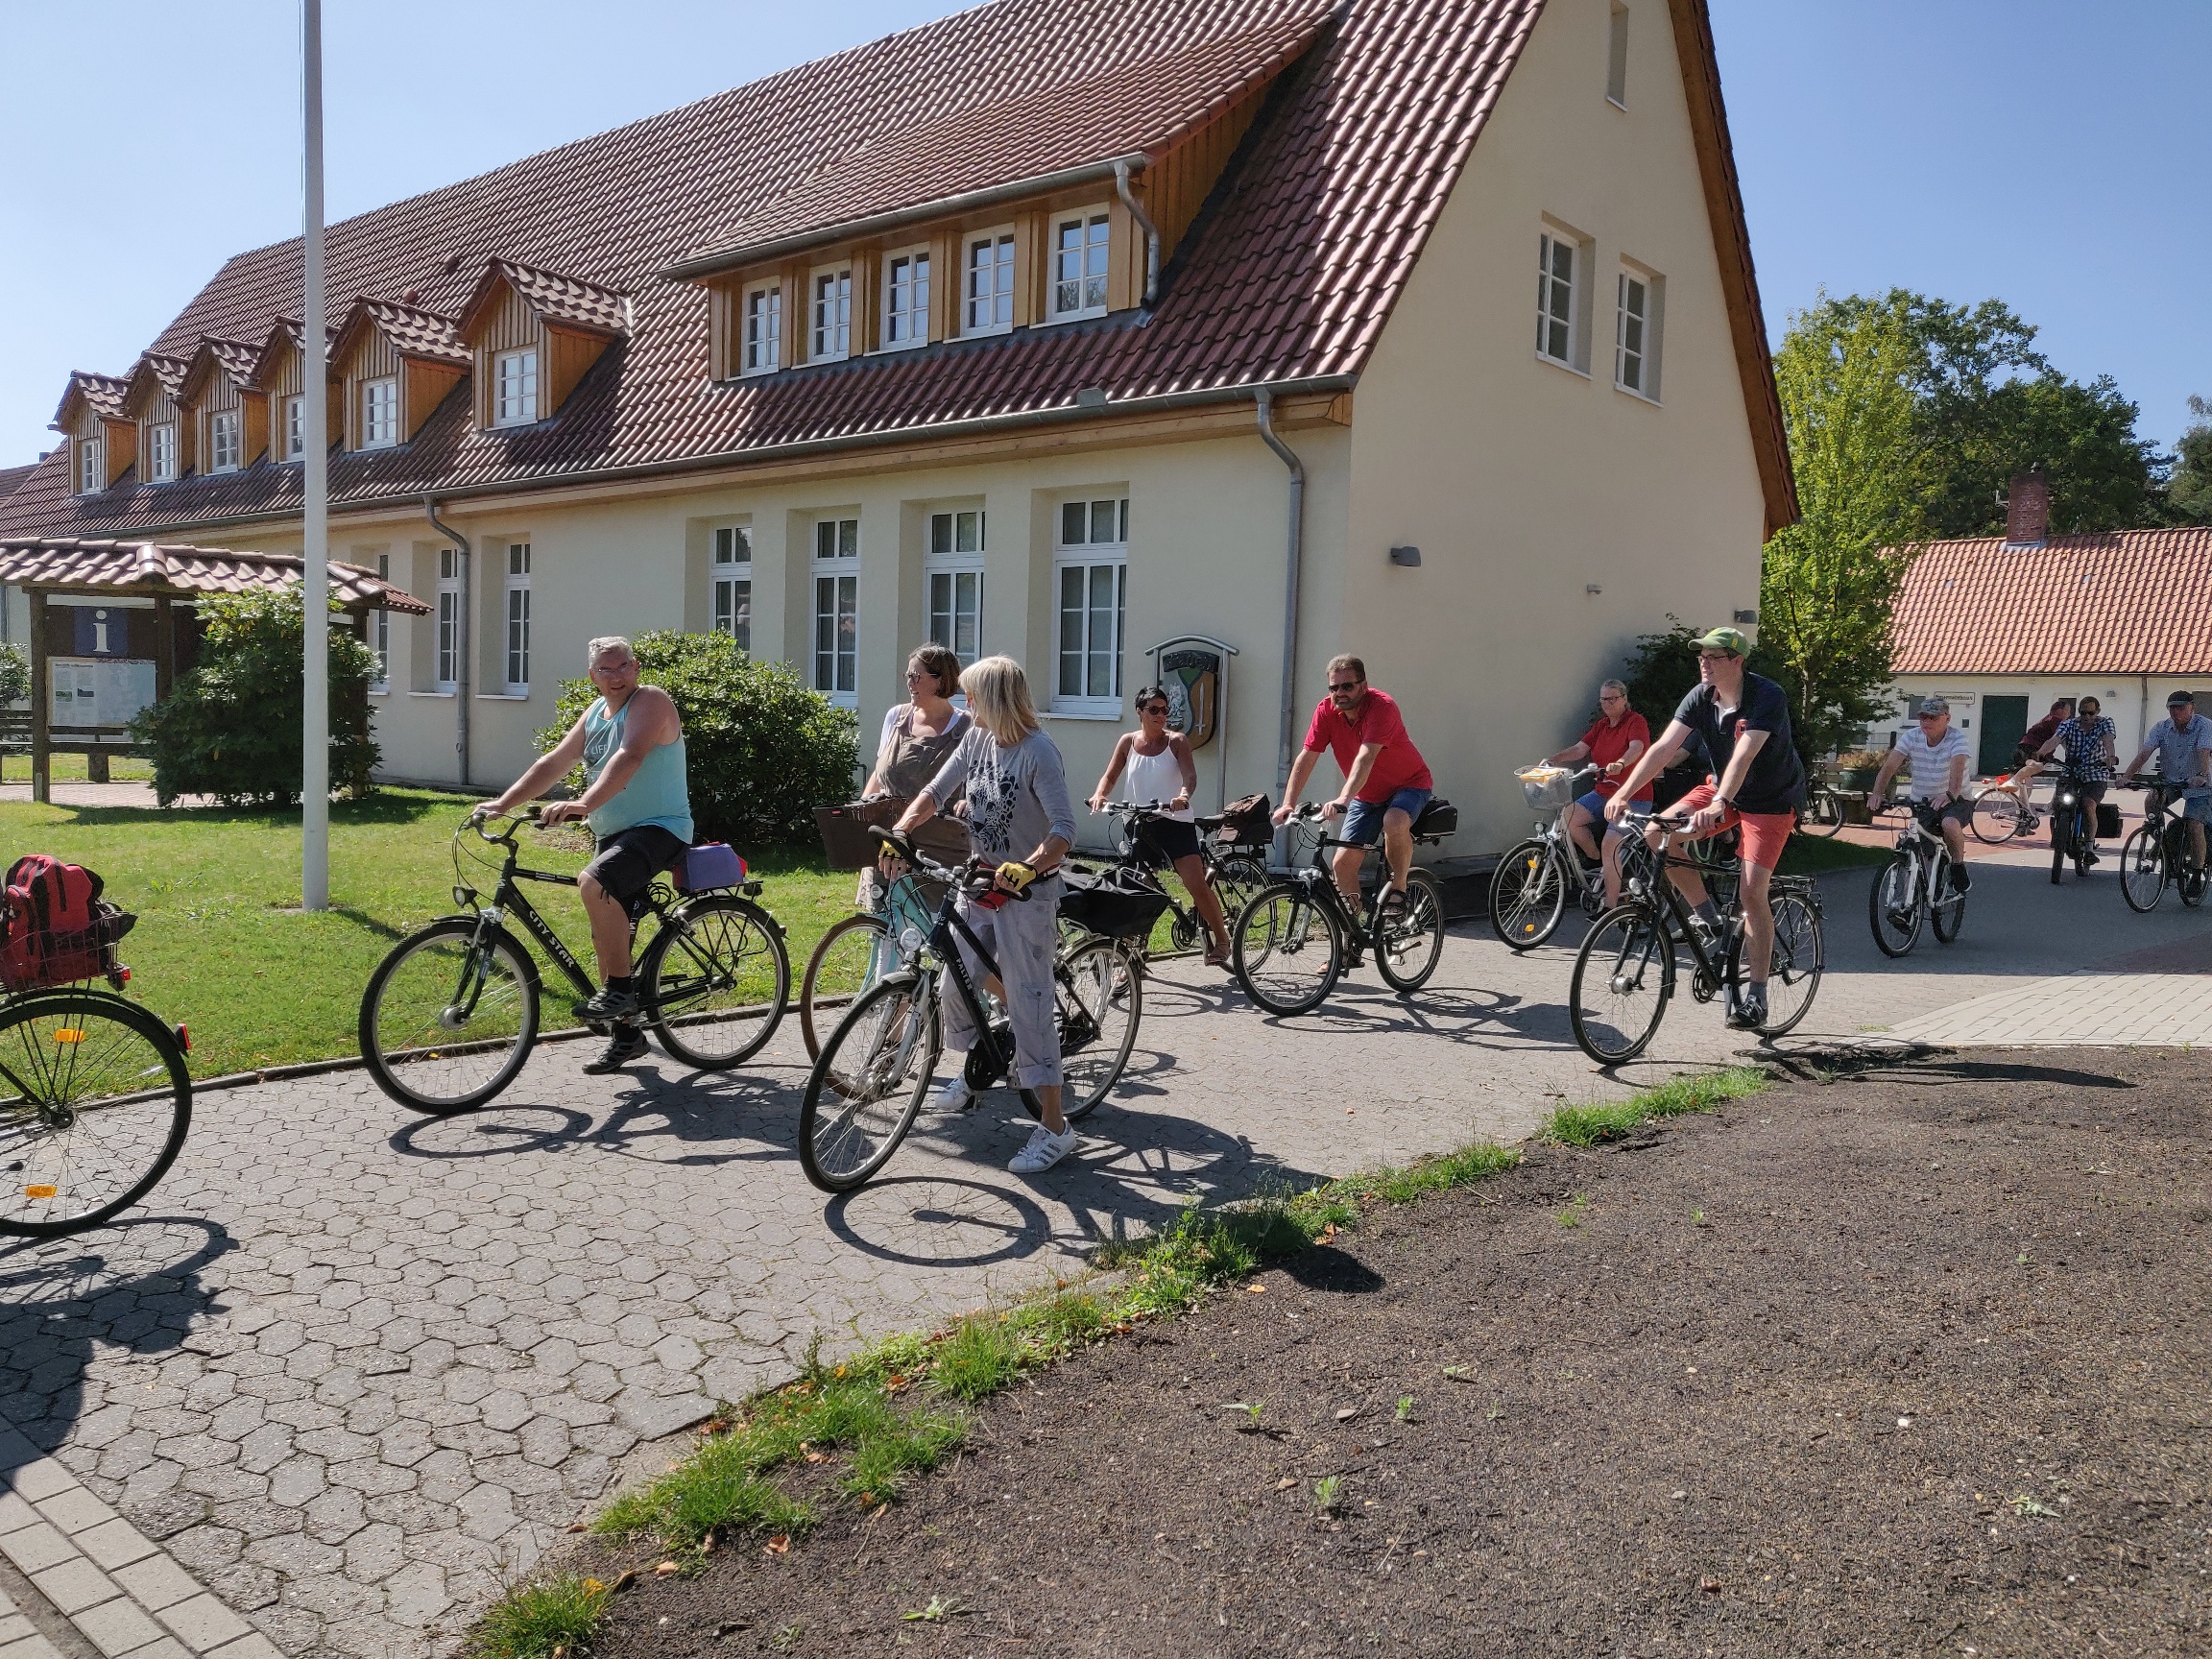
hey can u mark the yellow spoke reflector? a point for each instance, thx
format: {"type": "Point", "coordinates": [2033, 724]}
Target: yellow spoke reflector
{"type": "Point", "coordinates": [40, 1192]}
{"type": "Point", "coordinates": [69, 1034]}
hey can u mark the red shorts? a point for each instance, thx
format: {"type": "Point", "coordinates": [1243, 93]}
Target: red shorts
{"type": "Point", "coordinates": [1764, 834]}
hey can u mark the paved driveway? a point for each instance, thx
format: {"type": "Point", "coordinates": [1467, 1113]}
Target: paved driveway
{"type": "Point", "coordinates": [355, 1367]}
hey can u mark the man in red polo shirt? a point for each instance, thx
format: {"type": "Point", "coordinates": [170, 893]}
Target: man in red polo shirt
{"type": "Point", "coordinates": [1385, 780]}
{"type": "Point", "coordinates": [1615, 741]}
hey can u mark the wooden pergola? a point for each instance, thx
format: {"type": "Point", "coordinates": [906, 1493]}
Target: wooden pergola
{"type": "Point", "coordinates": [154, 587]}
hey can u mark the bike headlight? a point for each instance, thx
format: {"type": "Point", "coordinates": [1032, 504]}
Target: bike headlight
{"type": "Point", "coordinates": [911, 940]}
{"type": "Point", "coordinates": [464, 897]}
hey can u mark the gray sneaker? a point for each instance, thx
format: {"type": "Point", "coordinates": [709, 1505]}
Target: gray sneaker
{"type": "Point", "coordinates": [1749, 1013]}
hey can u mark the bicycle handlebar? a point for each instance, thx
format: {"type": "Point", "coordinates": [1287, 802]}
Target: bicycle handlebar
{"type": "Point", "coordinates": [974, 878]}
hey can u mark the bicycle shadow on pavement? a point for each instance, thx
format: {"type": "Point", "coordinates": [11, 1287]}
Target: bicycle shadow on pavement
{"type": "Point", "coordinates": [134, 1286]}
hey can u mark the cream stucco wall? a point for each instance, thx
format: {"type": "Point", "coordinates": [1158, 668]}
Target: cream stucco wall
{"type": "Point", "coordinates": [1523, 484]}
{"type": "Point", "coordinates": [2133, 703]}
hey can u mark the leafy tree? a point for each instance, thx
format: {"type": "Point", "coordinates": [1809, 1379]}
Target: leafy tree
{"type": "Point", "coordinates": [235, 725]}
{"type": "Point", "coordinates": [2189, 494]}
{"type": "Point", "coordinates": [15, 674]}
{"type": "Point", "coordinates": [762, 750]}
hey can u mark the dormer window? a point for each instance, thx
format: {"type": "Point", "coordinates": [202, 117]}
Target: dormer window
{"type": "Point", "coordinates": [91, 465]}
{"type": "Point", "coordinates": [907, 300]}
{"type": "Point", "coordinates": [987, 281]}
{"type": "Point", "coordinates": [223, 440]}
{"type": "Point", "coordinates": [162, 452]}
{"type": "Point", "coordinates": [832, 320]}
{"type": "Point", "coordinates": [764, 342]}
{"type": "Point", "coordinates": [514, 390]}
{"type": "Point", "coordinates": [1079, 245]}
{"type": "Point", "coordinates": [380, 412]}
{"type": "Point", "coordinates": [295, 427]}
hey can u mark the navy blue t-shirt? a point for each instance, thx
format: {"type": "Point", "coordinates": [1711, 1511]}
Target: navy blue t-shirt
{"type": "Point", "coordinates": [1776, 779]}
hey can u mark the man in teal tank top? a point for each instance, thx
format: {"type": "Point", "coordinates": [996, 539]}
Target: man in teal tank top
{"type": "Point", "coordinates": [631, 745]}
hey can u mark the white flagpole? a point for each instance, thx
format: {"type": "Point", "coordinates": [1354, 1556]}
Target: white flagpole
{"type": "Point", "coordinates": [315, 775]}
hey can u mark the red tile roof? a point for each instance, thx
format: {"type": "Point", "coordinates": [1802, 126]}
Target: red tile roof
{"type": "Point", "coordinates": [148, 566]}
{"type": "Point", "coordinates": [569, 301]}
{"type": "Point", "coordinates": [413, 331]}
{"type": "Point", "coordinates": [232, 357]}
{"type": "Point", "coordinates": [13, 478]}
{"type": "Point", "coordinates": [2124, 602]}
{"type": "Point", "coordinates": [1287, 275]}
{"type": "Point", "coordinates": [103, 392]}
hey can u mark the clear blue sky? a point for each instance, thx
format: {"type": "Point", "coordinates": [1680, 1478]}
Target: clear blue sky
{"type": "Point", "coordinates": [2047, 152]}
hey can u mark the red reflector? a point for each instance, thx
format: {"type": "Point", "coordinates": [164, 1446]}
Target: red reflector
{"type": "Point", "coordinates": [185, 1038]}
{"type": "Point", "coordinates": [124, 974]}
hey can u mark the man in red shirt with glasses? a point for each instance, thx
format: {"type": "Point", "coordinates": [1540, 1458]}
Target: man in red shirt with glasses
{"type": "Point", "coordinates": [1385, 780]}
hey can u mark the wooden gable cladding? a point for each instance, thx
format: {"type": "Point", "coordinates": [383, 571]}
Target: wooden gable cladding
{"type": "Point", "coordinates": [567, 321]}
{"type": "Point", "coordinates": [1180, 179]}
{"type": "Point", "coordinates": [220, 381]}
{"type": "Point", "coordinates": [91, 412]}
{"type": "Point", "coordinates": [278, 378]}
{"type": "Point", "coordinates": [149, 399]}
{"type": "Point", "coordinates": [419, 349]}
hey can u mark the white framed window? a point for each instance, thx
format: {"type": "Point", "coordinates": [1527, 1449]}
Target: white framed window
{"type": "Point", "coordinates": [731, 600]}
{"type": "Point", "coordinates": [1090, 579]}
{"type": "Point", "coordinates": [837, 608]}
{"type": "Point", "coordinates": [1556, 259]}
{"type": "Point", "coordinates": [514, 387]}
{"type": "Point", "coordinates": [987, 283]}
{"type": "Point", "coordinates": [224, 441]}
{"type": "Point", "coordinates": [952, 583]}
{"type": "Point", "coordinates": [1079, 247]}
{"type": "Point", "coordinates": [831, 337]}
{"type": "Point", "coordinates": [907, 300]}
{"type": "Point", "coordinates": [761, 351]}
{"type": "Point", "coordinates": [517, 594]}
{"type": "Point", "coordinates": [1636, 333]}
{"type": "Point", "coordinates": [295, 426]}
{"type": "Point", "coordinates": [449, 620]}
{"type": "Point", "coordinates": [380, 631]}
{"type": "Point", "coordinates": [91, 465]}
{"type": "Point", "coordinates": [380, 412]}
{"type": "Point", "coordinates": [162, 452]}
{"type": "Point", "coordinates": [1616, 57]}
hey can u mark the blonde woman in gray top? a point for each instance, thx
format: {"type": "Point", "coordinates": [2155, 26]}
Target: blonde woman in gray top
{"type": "Point", "coordinates": [1021, 819]}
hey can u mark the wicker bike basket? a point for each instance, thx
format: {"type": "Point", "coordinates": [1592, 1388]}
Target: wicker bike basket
{"type": "Point", "coordinates": [1115, 904]}
{"type": "Point", "coordinates": [1548, 788]}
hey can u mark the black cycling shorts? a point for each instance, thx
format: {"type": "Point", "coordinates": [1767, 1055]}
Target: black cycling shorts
{"type": "Point", "coordinates": [628, 860]}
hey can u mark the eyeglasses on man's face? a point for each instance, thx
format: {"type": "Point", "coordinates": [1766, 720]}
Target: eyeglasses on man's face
{"type": "Point", "coordinates": [622, 667]}
{"type": "Point", "coordinates": [1340, 687]}
{"type": "Point", "coordinates": [1611, 697]}
{"type": "Point", "coordinates": [1716, 656]}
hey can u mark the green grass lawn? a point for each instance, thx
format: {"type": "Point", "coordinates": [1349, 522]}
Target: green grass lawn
{"type": "Point", "coordinates": [221, 946]}
{"type": "Point", "coordinates": [1811, 854]}
{"type": "Point", "coordinates": [70, 769]}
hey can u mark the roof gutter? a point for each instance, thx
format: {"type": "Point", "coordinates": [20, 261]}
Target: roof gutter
{"type": "Point", "coordinates": [1144, 223]}
{"type": "Point", "coordinates": [875, 224]}
{"type": "Point", "coordinates": [462, 644]}
{"type": "Point", "coordinates": [981, 425]}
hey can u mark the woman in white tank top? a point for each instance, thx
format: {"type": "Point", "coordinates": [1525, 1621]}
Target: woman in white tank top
{"type": "Point", "coordinates": [1154, 765]}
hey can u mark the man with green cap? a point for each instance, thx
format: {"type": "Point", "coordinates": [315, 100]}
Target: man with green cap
{"type": "Point", "coordinates": [1758, 785]}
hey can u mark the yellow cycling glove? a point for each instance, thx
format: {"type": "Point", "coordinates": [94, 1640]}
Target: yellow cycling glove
{"type": "Point", "coordinates": [1016, 874]}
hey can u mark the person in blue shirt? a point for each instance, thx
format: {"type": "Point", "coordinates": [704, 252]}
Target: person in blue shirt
{"type": "Point", "coordinates": [2183, 740]}
{"type": "Point", "coordinates": [637, 795]}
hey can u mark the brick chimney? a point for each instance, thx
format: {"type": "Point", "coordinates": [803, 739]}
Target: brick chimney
{"type": "Point", "coordinates": [2027, 509]}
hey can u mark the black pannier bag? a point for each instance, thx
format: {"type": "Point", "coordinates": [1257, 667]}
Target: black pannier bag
{"type": "Point", "coordinates": [1115, 903]}
{"type": "Point", "coordinates": [1438, 818]}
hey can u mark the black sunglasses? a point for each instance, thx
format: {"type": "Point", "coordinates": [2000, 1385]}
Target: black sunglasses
{"type": "Point", "coordinates": [1346, 685]}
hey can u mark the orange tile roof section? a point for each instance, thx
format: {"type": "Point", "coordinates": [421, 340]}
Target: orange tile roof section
{"type": "Point", "coordinates": [413, 331]}
{"type": "Point", "coordinates": [568, 302]}
{"type": "Point", "coordinates": [146, 567]}
{"type": "Point", "coordinates": [1287, 277]}
{"type": "Point", "coordinates": [2121, 602]}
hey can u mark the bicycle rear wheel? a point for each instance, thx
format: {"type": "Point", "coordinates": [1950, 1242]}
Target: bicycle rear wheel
{"type": "Point", "coordinates": [1285, 950]}
{"type": "Point", "coordinates": [1624, 976]}
{"type": "Point", "coordinates": [1800, 954]}
{"type": "Point", "coordinates": [1235, 880]}
{"type": "Point", "coordinates": [867, 1083]}
{"type": "Point", "coordinates": [94, 1105]}
{"type": "Point", "coordinates": [2143, 871]}
{"type": "Point", "coordinates": [1998, 817]}
{"type": "Point", "coordinates": [1411, 943]}
{"type": "Point", "coordinates": [448, 1018]}
{"type": "Point", "coordinates": [716, 980]}
{"type": "Point", "coordinates": [1893, 906]}
{"type": "Point", "coordinates": [1823, 813]}
{"type": "Point", "coordinates": [846, 961]}
{"type": "Point", "coordinates": [1099, 997]}
{"type": "Point", "coordinates": [1527, 895]}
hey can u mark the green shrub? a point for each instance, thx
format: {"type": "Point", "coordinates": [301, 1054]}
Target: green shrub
{"type": "Point", "coordinates": [234, 728]}
{"type": "Point", "coordinates": [762, 750]}
{"type": "Point", "coordinates": [15, 675]}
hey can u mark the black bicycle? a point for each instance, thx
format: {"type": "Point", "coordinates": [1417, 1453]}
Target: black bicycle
{"type": "Point", "coordinates": [1233, 870]}
{"type": "Point", "coordinates": [452, 1012]}
{"type": "Point", "coordinates": [2157, 853]}
{"type": "Point", "coordinates": [1288, 945]}
{"type": "Point", "coordinates": [1916, 886]}
{"type": "Point", "coordinates": [2073, 826]}
{"type": "Point", "coordinates": [1625, 975]}
{"type": "Point", "coordinates": [876, 1070]}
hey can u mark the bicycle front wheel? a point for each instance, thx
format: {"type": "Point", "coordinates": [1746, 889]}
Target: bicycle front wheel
{"type": "Point", "coordinates": [1793, 977]}
{"type": "Point", "coordinates": [867, 1083]}
{"type": "Point", "coordinates": [449, 1017]}
{"type": "Point", "coordinates": [1528, 896]}
{"type": "Point", "coordinates": [1624, 977]}
{"type": "Point", "coordinates": [1998, 817]}
{"type": "Point", "coordinates": [846, 961]}
{"type": "Point", "coordinates": [1285, 950]}
{"type": "Point", "coordinates": [716, 981]}
{"type": "Point", "coordinates": [94, 1105]}
{"type": "Point", "coordinates": [1946, 905]}
{"type": "Point", "coordinates": [1411, 943]}
{"type": "Point", "coordinates": [1893, 906]}
{"type": "Point", "coordinates": [1098, 999]}
{"type": "Point", "coordinates": [2143, 869]}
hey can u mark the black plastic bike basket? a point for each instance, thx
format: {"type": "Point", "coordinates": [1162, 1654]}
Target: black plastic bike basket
{"type": "Point", "coordinates": [1115, 904]}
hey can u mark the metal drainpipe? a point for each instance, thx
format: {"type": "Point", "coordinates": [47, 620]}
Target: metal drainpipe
{"type": "Point", "coordinates": [462, 637]}
{"type": "Point", "coordinates": [1266, 402]}
{"type": "Point", "coordinates": [1144, 221]}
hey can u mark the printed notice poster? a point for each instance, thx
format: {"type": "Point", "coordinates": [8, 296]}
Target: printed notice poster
{"type": "Point", "coordinates": [103, 692]}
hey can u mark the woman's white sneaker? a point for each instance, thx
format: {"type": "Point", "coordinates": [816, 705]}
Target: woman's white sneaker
{"type": "Point", "coordinates": [954, 1096]}
{"type": "Point", "coordinates": [1043, 1150]}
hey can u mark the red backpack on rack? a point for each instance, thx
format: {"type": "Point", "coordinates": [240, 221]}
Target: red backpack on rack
{"type": "Point", "coordinates": [58, 929]}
